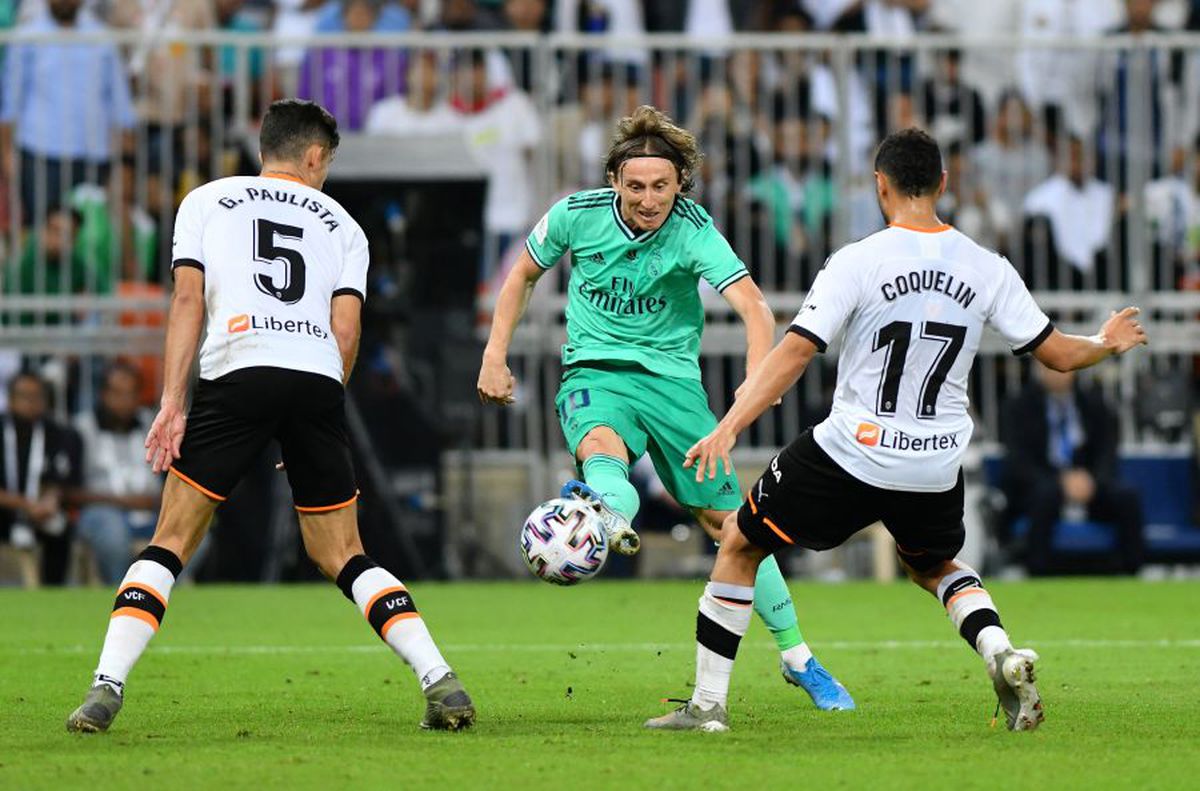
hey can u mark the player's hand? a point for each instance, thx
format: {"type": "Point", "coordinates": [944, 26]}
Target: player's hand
{"type": "Point", "coordinates": [165, 437]}
{"type": "Point", "coordinates": [496, 383]}
{"type": "Point", "coordinates": [1123, 331]}
{"type": "Point", "coordinates": [706, 453]}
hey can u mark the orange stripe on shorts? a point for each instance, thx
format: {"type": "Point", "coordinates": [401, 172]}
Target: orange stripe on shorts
{"type": "Point", "coordinates": [778, 532]}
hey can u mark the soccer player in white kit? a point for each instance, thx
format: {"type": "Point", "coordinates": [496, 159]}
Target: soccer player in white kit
{"type": "Point", "coordinates": [911, 302]}
{"type": "Point", "coordinates": [279, 271]}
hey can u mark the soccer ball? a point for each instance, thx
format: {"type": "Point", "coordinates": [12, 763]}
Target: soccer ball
{"type": "Point", "coordinates": [563, 542]}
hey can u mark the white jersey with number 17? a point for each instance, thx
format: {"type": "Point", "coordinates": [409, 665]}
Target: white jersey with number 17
{"type": "Point", "coordinates": [274, 252]}
{"type": "Point", "coordinates": [913, 305]}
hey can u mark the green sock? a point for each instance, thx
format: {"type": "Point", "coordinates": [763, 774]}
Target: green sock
{"type": "Point", "coordinates": [609, 477]}
{"type": "Point", "coordinates": [773, 603]}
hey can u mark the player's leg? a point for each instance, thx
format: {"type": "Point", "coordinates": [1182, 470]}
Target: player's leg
{"type": "Point", "coordinates": [810, 503]}
{"type": "Point", "coordinates": [929, 534]}
{"type": "Point", "coordinates": [316, 454]}
{"type": "Point", "coordinates": [331, 540]}
{"type": "Point", "coordinates": [721, 622]}
{"type": "Point", "coordinates": [773, 604]}
{"type": "Point", "coordinates": [220, 442]}
{"type": "Point", "coordinates": [601, 431]}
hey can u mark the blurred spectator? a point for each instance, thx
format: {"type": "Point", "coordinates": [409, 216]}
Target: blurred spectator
{"type": "Point", "coordinates": [393, 18]}
{"type": "Point", "coordinates": [525, 16]}
{"type": "Point", "coordinates": [501, 127]}
{"type": "Point", "coordinates": [1078, 207]}
{"type": "Point", "coordinates": [583, 129]}
{"type": "Point", "coordinates": [171, 77]}
{"type": "Point", "coordinates": [466, 15]}
{"type": "Point", "coordinates": [1061, 462]}
{"type": "Point", "coordinates": [119, 495]}
{"type": "Point", "coordinates": [618, 19]}
{"type": "Point", "coordinates": [953, 110]}
{"type": "Point", "coordinates": [964, 204]}
{"type": "Point", "coordinates": [1009, 164]}
{"type": "Point", "coordinates": [1173, 212]}
{"type": "Point", "coordinates": [348, 80]}
{"type": "Point", "coordinates": [52, 262]}
{"type": "Point", "coordinates": [425, 110]}
{"type": "Point", "coordinates": [797, 191]}
{"type": "Point", "coordinates": [38, 466]}
{"type": "Point", "coordinates": [1059, 84]}
{"type": "Point", "coordinates": [65, 101]}
{"type": "Point", "coordinates": [988, 69]}
{"type": "Point", "coordinates": [1132, 96]}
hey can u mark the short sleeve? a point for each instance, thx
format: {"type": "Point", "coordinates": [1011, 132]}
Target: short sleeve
{"type": "Point", "coordinates": [828, 304]}
{"type": "Point", "coordinates": [550, 238]}
{"type": "Point", "coordinates": [1015, 315]}
{"type": "Point", "coordinates": [353, 280]}
{"type": "Point", "coordinates": [714, 260]}
{"type": "Point", "coordinates": [187, 248]}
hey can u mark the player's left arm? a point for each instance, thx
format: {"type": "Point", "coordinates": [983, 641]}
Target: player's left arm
{"type": "Point", "coordinates": [1119, 334]}
{"type": "Point", "coordinates": [346, 322]}
{"type": "Point", "coordinates": [766, 386]}
{"type": "Point", "coordinates": [748, 302]}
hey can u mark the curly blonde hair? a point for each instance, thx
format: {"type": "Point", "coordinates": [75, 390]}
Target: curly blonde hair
{"type": "Point", "coordinates": [650, 132]}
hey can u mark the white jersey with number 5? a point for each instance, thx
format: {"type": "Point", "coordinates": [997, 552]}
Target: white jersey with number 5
{"type": "Point", "coordinates": [913, 305]}
{"type": "Point", "coordinates": [274, 252]}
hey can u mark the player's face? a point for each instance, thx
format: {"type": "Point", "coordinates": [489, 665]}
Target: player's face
{"type": "Point", "coordinates": [647, 187]}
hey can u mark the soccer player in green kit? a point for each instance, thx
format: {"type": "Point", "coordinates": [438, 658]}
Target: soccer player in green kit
{"type": "Point", "coordinates": [631, 373]}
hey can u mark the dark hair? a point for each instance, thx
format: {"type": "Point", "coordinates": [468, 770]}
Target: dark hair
{"type": "Point", "coordinates": [292, 125]}
{"type": "Point", "coordinates": [28, 374]}
{"type": "Point", "coordinates": [912, 161]}
{"type": "Point", "coordinates": [649, 132]}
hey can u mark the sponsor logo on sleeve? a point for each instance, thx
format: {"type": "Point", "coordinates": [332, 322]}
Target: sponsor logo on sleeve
{"type": "Point", "coordinates": [542, 228]}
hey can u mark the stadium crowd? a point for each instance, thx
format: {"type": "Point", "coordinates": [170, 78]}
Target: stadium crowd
{"type": "Point", "coordinates": [99, 143]}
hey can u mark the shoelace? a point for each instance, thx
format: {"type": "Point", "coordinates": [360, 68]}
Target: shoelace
{"type": "Point", "coordinates": [995, 715]}
{"type": "Point", "coordinates": [683, 704]}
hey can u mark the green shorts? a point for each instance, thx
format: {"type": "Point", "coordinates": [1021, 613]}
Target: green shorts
{"type": "Point", "coordinates": [659, 415]}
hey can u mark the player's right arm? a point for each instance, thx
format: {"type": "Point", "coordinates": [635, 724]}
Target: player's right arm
{"type": "Point", "coordinates": [496, 381]}
{"type": "Point", "coordinates": [547, 242]}
{"type": "Point", "coordinates": [184, 324]}
{"type": "Point", "coordinates": [1118, 335]}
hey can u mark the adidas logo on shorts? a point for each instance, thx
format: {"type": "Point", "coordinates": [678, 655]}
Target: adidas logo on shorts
{"type": "Point", "coordinates": [726, 488]}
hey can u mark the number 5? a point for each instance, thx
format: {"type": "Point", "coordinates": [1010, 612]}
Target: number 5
{"type": "Point", "coordinates": [267, 252]}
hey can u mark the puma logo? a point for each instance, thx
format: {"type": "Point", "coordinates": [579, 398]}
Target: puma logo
{"type": "Point", "coordinates": [867, 434]}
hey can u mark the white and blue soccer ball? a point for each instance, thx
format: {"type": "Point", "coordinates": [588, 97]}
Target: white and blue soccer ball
{"type": "Point", "coordinates": [563, 541]}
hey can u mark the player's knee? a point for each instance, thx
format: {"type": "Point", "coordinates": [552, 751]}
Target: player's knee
{"type": "Point", "coordinates": [734, 540]}
{"type": "Point", "coordinates": [928, 576]}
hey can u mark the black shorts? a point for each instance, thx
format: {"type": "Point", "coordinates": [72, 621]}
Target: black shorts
{"type": "Point", "coordinates": [805, 499]}
{"type": "Point", "coordinates": [234, 417]}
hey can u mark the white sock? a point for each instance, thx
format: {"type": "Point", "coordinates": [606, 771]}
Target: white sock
{"type": "Point", "coordinates": [389, 608]}
{"type": "Point", "coordinates": [138, 612]}
{"type": "Point", "coordinates": [721, 622]}
{"type": "Point", "coordinates": [797, 656]}
{"type": "Point", "coordinates": [974, 614]}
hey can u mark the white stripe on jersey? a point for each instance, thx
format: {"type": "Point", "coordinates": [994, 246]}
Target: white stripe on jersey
{"type": "Point", "coordinates": [912, 305]}
{"type": "Point", "coordinates": [274, 254]}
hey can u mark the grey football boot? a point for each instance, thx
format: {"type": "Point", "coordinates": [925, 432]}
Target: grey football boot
{"type": "Point", "coordinates": [1013, 675]}
{"type": "Point", "coordinates": [622, 538]}
{"type": "Point", "coordinates": [99, 709]}
{"type": "Point", "coordinates": [448, 707]}
{"type": "Point", "coordinates": [690, 717]}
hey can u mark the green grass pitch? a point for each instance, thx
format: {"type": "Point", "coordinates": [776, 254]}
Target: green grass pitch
{"type": "Point", "coordinates": [286, 687]}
